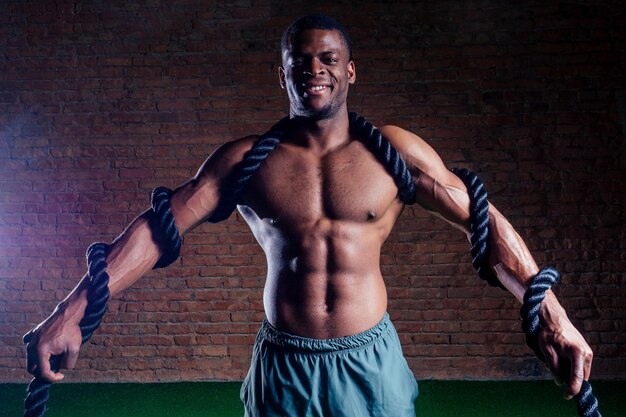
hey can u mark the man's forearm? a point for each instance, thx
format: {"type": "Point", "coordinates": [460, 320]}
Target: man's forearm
{"type": "Point", "coordinates": [73, 306]}
{"type": "Point", "coordinates": [515, 266]}
{"type": "Point", "coordinates": [132, 254]}
{"type": "Point", "coordinates": [509, 256]}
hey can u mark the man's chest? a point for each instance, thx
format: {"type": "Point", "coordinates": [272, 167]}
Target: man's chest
{"type": "Point", "coordinates": [294, 184]}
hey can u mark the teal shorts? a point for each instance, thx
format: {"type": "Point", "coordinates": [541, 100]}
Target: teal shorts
{"type": "Point", "coordinates": [361, 375]}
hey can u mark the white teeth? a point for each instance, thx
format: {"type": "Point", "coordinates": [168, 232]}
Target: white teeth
{"type": "Point", "coordinates": [318, 87]}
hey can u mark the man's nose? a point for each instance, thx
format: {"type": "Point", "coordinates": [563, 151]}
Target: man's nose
{"type": "Point", "coordinates": [315, 67]}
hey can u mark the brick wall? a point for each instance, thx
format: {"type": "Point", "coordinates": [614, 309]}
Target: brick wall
{"type": "Point", "coordinates": [101, 101]}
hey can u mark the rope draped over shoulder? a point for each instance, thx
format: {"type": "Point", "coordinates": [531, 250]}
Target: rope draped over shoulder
{"type": "Point", "coordinates": [234, 185]}
{"type": "Point", "coordinates": [386, 154]}
{"type": "Point", "coordinates": [97, 297]}
{"type": "Point", "coordinates": [587, 403]}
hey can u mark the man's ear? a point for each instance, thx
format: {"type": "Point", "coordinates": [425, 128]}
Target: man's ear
{"type": "Point", "coordinates": [281, 77]}
{"type": "Point", "coordinates": [351, 72]}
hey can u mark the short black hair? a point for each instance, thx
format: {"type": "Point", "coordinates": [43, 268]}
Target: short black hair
{"type": "Point", "coordinates": [314, 21]}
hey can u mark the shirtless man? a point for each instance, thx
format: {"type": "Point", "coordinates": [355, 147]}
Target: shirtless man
{"type": "Point", "coordinates": [321, 207]}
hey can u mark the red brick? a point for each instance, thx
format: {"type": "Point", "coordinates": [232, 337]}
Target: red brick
{"type": "Point", "coordinates": [90, 129]}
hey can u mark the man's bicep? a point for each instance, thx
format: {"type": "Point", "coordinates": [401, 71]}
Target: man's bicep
{"type": "Point", "coordinates": [446, 196]}
{"type": "Point", "coordinates": [195, 201]}
{"type": "Point", "coordinates": [437, 189]}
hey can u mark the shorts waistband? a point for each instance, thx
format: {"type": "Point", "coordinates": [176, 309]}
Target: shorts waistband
{"type": "Point", "coordinates": [290, 341]}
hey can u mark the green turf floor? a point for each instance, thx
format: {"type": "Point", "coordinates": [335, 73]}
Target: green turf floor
{"type": "Point", "coordinates": [215, 399]}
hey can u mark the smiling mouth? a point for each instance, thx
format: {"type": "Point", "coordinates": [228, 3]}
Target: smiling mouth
{"type": "Point", "coordinates": [315, 90]}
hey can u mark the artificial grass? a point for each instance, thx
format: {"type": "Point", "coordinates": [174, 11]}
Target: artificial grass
{"type": "Point", "coordinates": [221, 399]}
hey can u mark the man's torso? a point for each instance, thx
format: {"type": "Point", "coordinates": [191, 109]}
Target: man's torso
{"type": "Point", "coordinates": [321, 220]}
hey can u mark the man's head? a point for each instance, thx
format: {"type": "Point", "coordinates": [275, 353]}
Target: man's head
{"type": "Point", "coordinates": [316, 67]}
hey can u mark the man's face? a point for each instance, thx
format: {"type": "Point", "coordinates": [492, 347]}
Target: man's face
{"type": "Point", "coordinates": [316, 72]}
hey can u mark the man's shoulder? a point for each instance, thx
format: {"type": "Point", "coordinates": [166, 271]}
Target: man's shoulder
{"type": "Point", "coordinates": [225, 157]}
{"type": "Point", "coordinates": [404, 140]}
{"type": "Point", "coordinates": [234, 150]}
{"type": "Point", "coordinates": [415, 150]}
{"type": "Point", "coordinates": [242, 144]}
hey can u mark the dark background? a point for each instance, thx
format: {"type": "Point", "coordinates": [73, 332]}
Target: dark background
{"type": "Point", "coordinates": [101, 101]}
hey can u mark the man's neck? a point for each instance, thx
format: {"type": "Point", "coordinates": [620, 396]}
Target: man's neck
{"type": "Point", "coordinates": [321, 136]}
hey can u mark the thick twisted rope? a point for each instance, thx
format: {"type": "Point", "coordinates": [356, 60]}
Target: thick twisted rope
{"type": "Point", "coordinates": [387, 155]}
{"type": "Point", "coordinates": [479, 225]}
{"type": "Point", "coordinates": [234, 185]}
{"type": "Point", "coordinates": [97, 297]}
{"type": "Point", "coordinates": [170, 238]}
{"type": "Point", "coordinates": [534, 295]}
{"type": "Point", "coordinates": [586, 402]}
{"type": "Point", "coordinates": [98, 293]}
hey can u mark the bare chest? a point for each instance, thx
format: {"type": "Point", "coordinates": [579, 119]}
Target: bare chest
{"type": "Point", "coordinates": [296, 185]}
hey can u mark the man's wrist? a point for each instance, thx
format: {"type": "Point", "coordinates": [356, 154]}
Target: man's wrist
{"type": "Point", "coordinates": [551, 312]}
{"type": "Point", "coordinates": [73, 306]}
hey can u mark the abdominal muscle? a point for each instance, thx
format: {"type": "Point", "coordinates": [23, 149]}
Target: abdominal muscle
{"type": "Point", "coordinates": [323, 306]}
{"type": "Point", "coordinates": [324, 277]}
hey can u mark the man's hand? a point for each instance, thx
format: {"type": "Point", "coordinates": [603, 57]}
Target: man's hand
{"type": "Point", "coordinates": [59, 335]}
{"type": "Point", "coordinates": [567, 354]}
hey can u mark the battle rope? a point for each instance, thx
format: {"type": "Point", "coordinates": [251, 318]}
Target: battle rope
{"type": "Point", "coordinates": [97, 296]}
{"type": "Point", "coordinates": [479, 225]}
{"type": "Point", "coordinates": [234, 185]}
{"type": "Point", "coordinates": [171, 241]}
{"type": "Point", "coordinates": [387, 155]}
{"type": "Point", "coordinates": [586, 402]}
{"type": "Point", "coordinates": [98, 292]}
